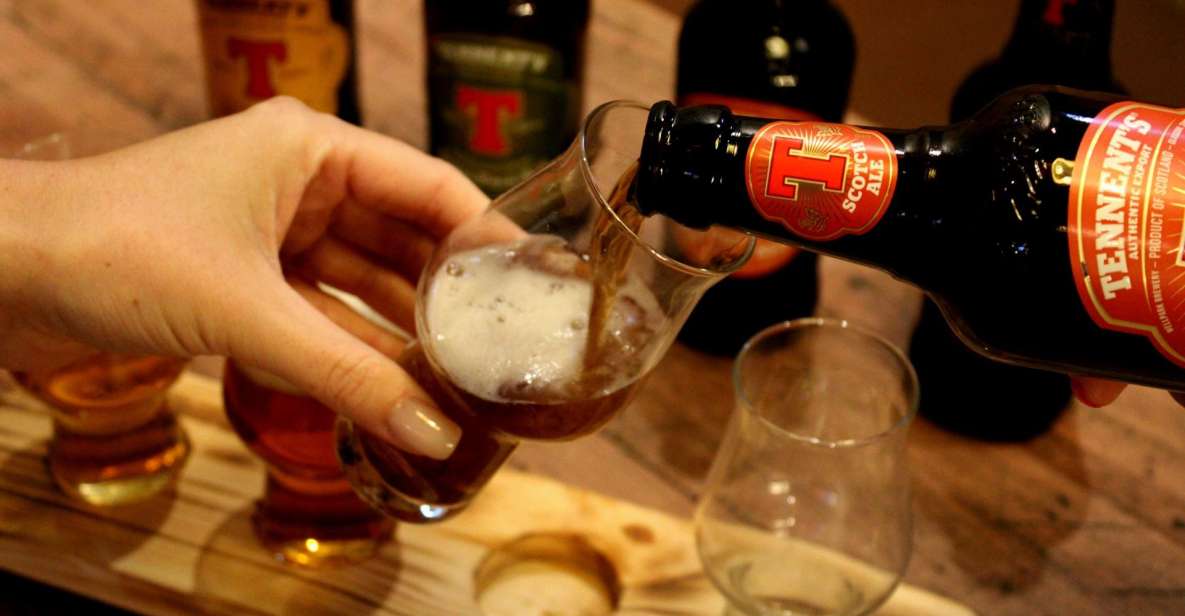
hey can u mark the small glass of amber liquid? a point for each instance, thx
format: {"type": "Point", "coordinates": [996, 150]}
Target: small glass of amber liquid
{"type": "Point", "coordinates": [309, 514]}
{"type": "Point", "coordinates": [115, 441]}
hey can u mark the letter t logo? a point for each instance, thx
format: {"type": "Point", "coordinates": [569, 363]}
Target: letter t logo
{"type": "Point", "coordinates": [259, 78]}
{"type": "Point", "coordinates": [790, 167]}
{"type": "Point", "coordinates": [491, 111]}
{"type": "Point", "coordinates": [1053, 12]}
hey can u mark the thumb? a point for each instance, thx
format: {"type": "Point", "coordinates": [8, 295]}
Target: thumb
{"type": "Point", "coordinates": [291, 339]}
{"type": "Point", "coordinates": [1096, 393]}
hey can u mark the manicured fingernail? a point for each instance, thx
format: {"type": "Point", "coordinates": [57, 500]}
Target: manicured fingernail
{"type": "Point", "coordinates": [1082, 392]}
{"type": "Point", "coordinates": [421, 428]}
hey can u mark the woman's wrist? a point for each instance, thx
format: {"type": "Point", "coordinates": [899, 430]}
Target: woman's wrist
{"type": "Point", "coordinates": [30, 198]}
{"type": "Point", "coordinates": [16, 251]}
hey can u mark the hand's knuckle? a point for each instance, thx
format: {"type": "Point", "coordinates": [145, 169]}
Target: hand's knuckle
{"type": "Point", "coordinates": [369, 280]}
{"type": "Point", "coordinates": [347, 377]}
{"type": "Point", "coordinates": [285, 106]}
{"type": "Point", "coordinates": [450, 177]}
{"type": "Point", "coordinates": [290, 116]}
{"type": "Point", "coordinates": [446, 182]}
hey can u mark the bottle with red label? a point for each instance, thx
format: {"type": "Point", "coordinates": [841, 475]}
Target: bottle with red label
{"type": "Point", "coordinates": [789, 59]}
{"type": "Point", "coordinates": [257, 49]}
{"type": "Point", "coordinates": [1049, 228]}
{"type": "Point", "coordinates": [504, 84]}
{"type": "Point", "coordinates": [1067, 42]}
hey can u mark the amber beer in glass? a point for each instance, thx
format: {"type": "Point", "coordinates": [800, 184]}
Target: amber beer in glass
{"type": "Point", "coordinates": [308, 514]}
{"type": "Point", "coordinates": [540, 319]}
{"type": "Point", "coordinates": [114, 439]}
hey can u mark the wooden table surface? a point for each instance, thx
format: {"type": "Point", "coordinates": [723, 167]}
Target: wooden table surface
{"type": "Point", "coordinates": [1087, 519]}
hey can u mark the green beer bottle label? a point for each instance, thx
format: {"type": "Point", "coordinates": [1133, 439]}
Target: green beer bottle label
{"type": "Point", "coordinates": [500, 106]}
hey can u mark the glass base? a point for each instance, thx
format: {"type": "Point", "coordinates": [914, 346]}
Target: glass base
{"type": "Point", "coordinates": [756, 583]}
{"type": "Point", "coordinates": [109, 476]}
{"type": "Point", "coordinates": [368, 484]}
{"type": "Point", "coordinates": [311, 552]}
{"type": "Point", "coordinates": [404, 509]}
{"type": "Point", "coordinates": [318, 522]}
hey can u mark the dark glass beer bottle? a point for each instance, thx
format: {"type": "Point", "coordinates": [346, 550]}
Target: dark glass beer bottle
{"type": "Point", "coordinates": [257, 49]}
{"type": "Point", "coordinates": [788, 59]}
{"type": "Point", "coordinates": [1048, 228]}
{"type": "Point", "coordinates": [1067, 42]}
{"type": "Point", "coordinates": [1054, 41]}
{"type": "Point", "coordinates": [504, 84]}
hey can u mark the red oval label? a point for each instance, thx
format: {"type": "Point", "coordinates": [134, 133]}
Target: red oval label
{"type": "Point", "coordinates": [821, 181]}
{"type": "Point", "coordinates": [1126, 223]}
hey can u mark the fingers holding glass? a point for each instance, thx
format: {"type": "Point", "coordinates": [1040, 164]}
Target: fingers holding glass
{"type": "Point", "coordinates": [336, 264]}
{"type": "Point", "coordinates": [537, 320]}
{"type": "Point", "coordinates": [396, 244]}
{"type": "Point", "coordinates": [392, 177]}
{"type": "Point", "coordinates": [376, 336]}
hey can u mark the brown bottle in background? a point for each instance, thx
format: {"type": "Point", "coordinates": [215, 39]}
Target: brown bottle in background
{"type": "Point", "coordinates": [257, 49]}
{"type": "Point", "coordinates": [788, 59]}
{"type": "Point", "coordinates": [504, 84]}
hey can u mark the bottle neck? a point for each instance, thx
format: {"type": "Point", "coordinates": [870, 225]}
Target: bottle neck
{"type": "Point", "coordinates": [869, 196]}
{"type": "Point", "coordinates": [1070, 33]}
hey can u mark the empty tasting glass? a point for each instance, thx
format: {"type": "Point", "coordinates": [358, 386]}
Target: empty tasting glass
{"type": "Point", "coordinates": [806, 510]}
{"type": "Point", "coordinates": [539, 319]}
{"type": "Point", "coordinates": [114, 439]}
{"type": "Point", "coordinates": [308, 514]}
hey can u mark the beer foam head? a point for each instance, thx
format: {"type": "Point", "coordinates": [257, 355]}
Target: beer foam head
{"type": "Point", "coordinates": [495, 321]}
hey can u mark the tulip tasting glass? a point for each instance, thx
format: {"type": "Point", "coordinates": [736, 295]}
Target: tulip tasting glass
{"type": "Point", "coordinates": [539, 319]}
{"type": "Point", "coordinates": [308, 515]}
{"type": "Point", "coordinates": [806, 510]}
{"type": "Point", "coordinates": [115, 441]}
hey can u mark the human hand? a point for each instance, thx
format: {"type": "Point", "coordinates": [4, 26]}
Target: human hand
{"type": "Point", "coordinates": [1101, 392]}
{"type": "Point", "coordinates": [180, 246]}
